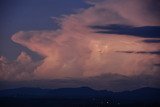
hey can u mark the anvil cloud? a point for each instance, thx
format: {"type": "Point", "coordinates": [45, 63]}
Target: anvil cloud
{"type": "Point", "coordinates": [76, 50]}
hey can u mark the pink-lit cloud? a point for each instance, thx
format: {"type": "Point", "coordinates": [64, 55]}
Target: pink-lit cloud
{"type": "Point", "coordinates": [76, 51]}
{"type": "Point", "coordinates": [20, 69]}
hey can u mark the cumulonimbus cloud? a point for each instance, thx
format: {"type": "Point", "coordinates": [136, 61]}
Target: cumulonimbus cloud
{"type": "Point", "coordinates": [20, 69]}
{"type": "Point", "coordinates": [75, 50]}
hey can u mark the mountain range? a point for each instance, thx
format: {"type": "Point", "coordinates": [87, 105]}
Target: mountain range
{"type": "Point", "coordinates": [78, 97]}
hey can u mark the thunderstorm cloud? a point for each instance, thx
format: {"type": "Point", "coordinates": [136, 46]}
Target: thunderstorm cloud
{"type": "Point", "coordinates": [76, 50]}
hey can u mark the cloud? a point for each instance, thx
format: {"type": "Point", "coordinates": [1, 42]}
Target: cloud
{"type": "Point", "coordinates": [76, 51]}
{"type": "Point", "coordinates": [24, 58]}
{"type": "Point", "coordinates": [135, 12]}
{"type": "Point", "coordinates": [85, 56]}
{"type": "Point", "coordinates": [20, 69]}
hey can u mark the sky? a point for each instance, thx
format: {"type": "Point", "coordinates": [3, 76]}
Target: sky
{"type": "Point", "coordinates": [59, 43]}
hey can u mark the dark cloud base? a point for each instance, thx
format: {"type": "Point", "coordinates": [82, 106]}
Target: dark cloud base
{"type": "Point", "coordinates": [113, 82]}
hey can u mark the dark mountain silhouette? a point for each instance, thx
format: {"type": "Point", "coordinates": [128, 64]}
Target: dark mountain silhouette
{"type": "Point", "coordinates": [61, 92]}
{"type": "Point", "coordinates": [82, 96]}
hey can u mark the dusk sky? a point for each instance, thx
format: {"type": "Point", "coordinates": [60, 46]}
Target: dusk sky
{"type": "Point", "coordinates": [102, 44]}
